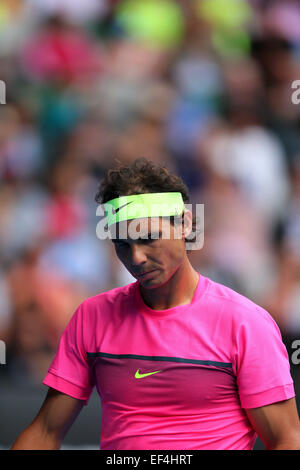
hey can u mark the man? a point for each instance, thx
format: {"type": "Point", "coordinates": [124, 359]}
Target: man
{"type": "Point", "coordinates": [179, 361]}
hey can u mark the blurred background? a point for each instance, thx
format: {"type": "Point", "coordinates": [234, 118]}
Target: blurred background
{"type": "Point", "coordinates": [202, 86]}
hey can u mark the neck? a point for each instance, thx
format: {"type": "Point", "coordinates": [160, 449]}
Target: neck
{"type": "Point", "coordinates": [178, 290]}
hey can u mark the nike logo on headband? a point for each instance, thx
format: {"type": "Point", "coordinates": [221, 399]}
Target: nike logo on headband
{"type": "Point", "coordinates": [114, 211]}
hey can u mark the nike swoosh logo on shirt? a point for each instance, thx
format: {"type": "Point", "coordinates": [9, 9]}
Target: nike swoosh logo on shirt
{"type": "Point", "coordinates": [140, 376]}
{"type": "Point", "coordinates": [114, 211]}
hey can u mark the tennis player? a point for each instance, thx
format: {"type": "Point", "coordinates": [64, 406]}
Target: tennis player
{"type": "Point", "coordinates": [179, 361]}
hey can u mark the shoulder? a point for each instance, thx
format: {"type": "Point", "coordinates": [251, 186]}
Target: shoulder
{"type": "Point", "coordinates": [106, 302]}
{"type": "Point", "coordinates": [96, 314]}
{"type": "Point", "coordinates": [235, 307]}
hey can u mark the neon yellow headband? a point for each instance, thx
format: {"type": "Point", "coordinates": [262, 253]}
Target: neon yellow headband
{"type": "Point", "coordinates": [143, 205]}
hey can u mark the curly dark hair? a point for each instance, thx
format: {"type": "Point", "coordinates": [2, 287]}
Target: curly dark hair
{"type": "Point", "coordinates": [142, 176]}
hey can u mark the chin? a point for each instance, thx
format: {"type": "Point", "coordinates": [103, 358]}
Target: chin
{"type": "Point", "coordinates": [151, 283]}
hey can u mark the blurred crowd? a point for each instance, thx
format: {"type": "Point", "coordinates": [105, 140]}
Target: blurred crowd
{"type": "Point", "coordinates": [202, 86]}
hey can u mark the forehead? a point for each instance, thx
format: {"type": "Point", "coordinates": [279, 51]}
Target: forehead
{"type": "Point", "coordinates": [148, 227]}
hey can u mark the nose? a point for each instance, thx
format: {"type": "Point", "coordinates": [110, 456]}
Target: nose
{"type": "Point", "coordinates": [138, 255]}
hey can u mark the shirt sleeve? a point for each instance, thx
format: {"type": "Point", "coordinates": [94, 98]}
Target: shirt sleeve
{"type": "Point", "coordinates": [262, 363]}
{"type": "Point", "coordinates": [69, 371]}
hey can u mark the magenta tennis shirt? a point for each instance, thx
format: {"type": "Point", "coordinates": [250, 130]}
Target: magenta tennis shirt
{"type": "Point", "coordinates": [178, 378]}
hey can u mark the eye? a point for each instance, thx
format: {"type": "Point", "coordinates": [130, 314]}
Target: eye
{"type": "Point", "coordinates": [144, 241]}
{"type": "Point", "coordinates": [150, 238]}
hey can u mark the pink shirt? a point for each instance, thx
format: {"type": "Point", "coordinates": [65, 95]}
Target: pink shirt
{"type": "Point", "coordinates": [204, 362]}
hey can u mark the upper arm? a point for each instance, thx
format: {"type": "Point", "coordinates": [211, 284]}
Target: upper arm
{"type": "Point", "coordinates": [277, 424]}
{"type": "Point", "coordinates": [58, 413]}
{"type": "Point", "coordinates": [261, 361]}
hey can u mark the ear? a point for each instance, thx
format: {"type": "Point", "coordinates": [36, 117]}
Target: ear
{"type": "Point", "coordinates": [187, 225]}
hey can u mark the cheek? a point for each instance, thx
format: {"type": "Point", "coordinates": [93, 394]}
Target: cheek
{"type": "Point", "coordinates": [173, 253]}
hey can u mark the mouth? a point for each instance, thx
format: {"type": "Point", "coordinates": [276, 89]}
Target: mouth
{"type": "Point", "coordinates": [142, 275]}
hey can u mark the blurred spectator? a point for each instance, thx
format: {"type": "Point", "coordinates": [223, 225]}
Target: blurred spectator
{"type": "Point", "coordinates": [22, 207]}
{"type": "Point", "coordinates": [237, 245]}
{"type": "Point", "coordinates": [60, 52]}
{"type": "Point", "coordinates": [283, 299]}
{"type": "Point", "coordinates": [20, 144]}
{"type": "Point", "coordinates": [229, 21]}
{"type": "Point", "coordinates": [74, 11]}
{"type": "Point", "coordinates": [158, 23]}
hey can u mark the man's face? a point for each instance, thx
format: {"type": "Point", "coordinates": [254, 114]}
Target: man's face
{"type": "Point", "coordinates": [152, 260]}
